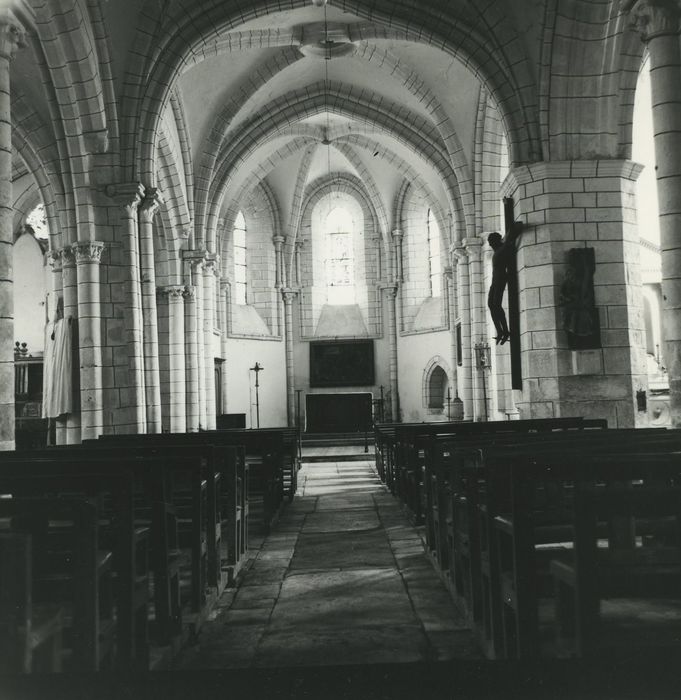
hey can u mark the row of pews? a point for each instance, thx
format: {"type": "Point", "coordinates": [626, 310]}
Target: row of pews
{"type": "Point", "coordinates": [114, 552]}
{"type": "Point", "coordinates": [556, 537]}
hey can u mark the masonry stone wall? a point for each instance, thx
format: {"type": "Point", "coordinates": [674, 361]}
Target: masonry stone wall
{"type": "Point", "coordinates": [577, 204]}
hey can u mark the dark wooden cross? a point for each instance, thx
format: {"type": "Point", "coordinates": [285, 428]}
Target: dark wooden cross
{"type": "Point", "coordinates": [257, 369]}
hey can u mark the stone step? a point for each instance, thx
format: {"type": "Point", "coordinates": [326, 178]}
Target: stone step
{"type": "Point", "coordinates": [339, 457]}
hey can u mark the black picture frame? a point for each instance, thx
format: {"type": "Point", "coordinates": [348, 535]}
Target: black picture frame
{"type": "Point", "coordinates": [342, 363]}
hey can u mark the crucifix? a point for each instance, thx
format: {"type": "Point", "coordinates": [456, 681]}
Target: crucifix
{"type": "Point", "coordinates": [257, 369]}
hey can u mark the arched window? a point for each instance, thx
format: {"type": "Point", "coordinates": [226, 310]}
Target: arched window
{"type": "Point", "coordinates": [340, 257]}
{"type": "Point", "coordinates": [437, 387]}
{"type": "Point", "coordinates": [240, 264]}
{"type": "Point", "coordinates": [434, 262]}
{"type": "Point", "coordinates": [37, 220]}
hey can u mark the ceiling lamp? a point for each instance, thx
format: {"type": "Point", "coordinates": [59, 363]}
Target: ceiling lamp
{"type": "Point", "coordinates": [326, 40]}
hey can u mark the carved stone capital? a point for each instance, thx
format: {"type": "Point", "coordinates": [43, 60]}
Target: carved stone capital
{"type": "Point", "coordinates": [289, 295]}
{"type": "Point", "coordinates": [126, 195]}
{"type": "Point", "coordinates": [174, 293]}
{"type": "Point", "coordinates": [88, 252]}
{"type": "Point", "coordinates": [12, 34]}
{"type": "Point", "coordinates": [652, 18]}
{"type": "Point", "coordinates": [459, 252]}
{"type": "Point", "coordinates": [54, 260]}
{"type": "Point", "coordinates": [278, 241]}
{"type": "Point", "coordinates": [68, 257]}
{"type": "Point", "coordinates": [391, 290]}
{"type": "Point", "coordinates": [151, 203]}
{"type": "Point", "coordinates": [210, 267]}
{"type": "Point", "coordinates": [225, 284]}
{"type": "Point", "coordinates": [189, 292]}
{"type": "Point", "coordinates": [398, 234]}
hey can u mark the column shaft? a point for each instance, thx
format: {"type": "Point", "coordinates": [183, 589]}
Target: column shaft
{"type": "Point", "coordinates": [289, 296]}
{"type": "Point", "coordinates": [453, 315]}
{"type": "Point", "coordinates": [476, 322]}
{"type": "Point", "coordinates": [197, 269]}
{"type": "Point", "coordinates": [392, 339]}
{"type": "Point", "coordinates": [70, 288]}
{"type": "Point", "coordinates": [224, 301]}
{"type": "Point", "coordinates": [208, 338]}
{"type": "Point", "coordinates": [665, 78]}
{"type": "Point", "coordinates": [11, 37]}
{"type": "Point", "coordinates": [192, 360]}
{"type": "Point", "coordinates": [88, 255]}
{"type": "Point", "coordinates": [465, 369]}
{"type": "Point", "coordinates": [152, 382]}
{"type": "Point", "coordinates": [176, 348]}
{"type": "Point", "coordinates": [134, 325]}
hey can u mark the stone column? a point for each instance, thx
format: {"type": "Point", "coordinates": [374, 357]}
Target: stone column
{"type": "Point", "coordinates": [88, 256]}
{"type": "Point", "coordinates": [279, 275]}
{"type": "Point", "coordinates": [478, 335]}
{"type": "Point", "coordinates": [465, 369]}
{"type": "Point", "coordinates": [197, 279]}
{"type": "Point", "coordinates": [658, 23]}
{"type": "Point", "coordinates": [391, 293]}
{"type": "Point", "coordinates": [398, 236]}
{"type": "Point", "coordinates": [152, 381]}
{"type": "Point", "coordinates": [11, 38]}
{"type": "Point", "coordinates": [191, 359]}
{"type": "Point", "coordinates": [289, 295]}
{"type": "Point", "coordinates": [70, 288]}
{"type": "Point", "coordinates": [209, 270]}
{"type": "Point", "coordinates": [55, 262]}
{"type": "Point", "coordinates": [298, 254]}
{"type": "Point", "coordinates": [176, 349]}
{"type": "Point", "coordinates": [224, 324]}
{"type": "Point", "coordinates": [451, 274]}
{"type": "Point", "coordinates": [129, 198]}
{"type": "Point", "coordinates": [600, 382]}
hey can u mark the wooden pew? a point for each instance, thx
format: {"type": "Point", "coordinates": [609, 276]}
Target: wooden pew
{"type": "Point", "coordinates": [592, 573]}
{"type": "Point", "coordinates": [228, 505]}
{"type": "Point", "coordinates": [266, 451]}
{"type": "Point", "coordinates": [288, 452]}
{"type": "Point", "coordinates": [30, 633]}
{"type": "Point", "coordinates": [69, 568]}
{"type": "Point", "coordinates": [180, 499]}
{"type": "Point", "coordinates": [458, 527]}
{"type": "Point", "coordinates": [95, 479]}
{"type": "Point", "coordinates": [411, 439]}
{"type": "Point", "coordinates": [22, 477]}
{"type": "Point", "coordinates": [517, 513]}
{"type": "Point", "coordinates": [451, 521]}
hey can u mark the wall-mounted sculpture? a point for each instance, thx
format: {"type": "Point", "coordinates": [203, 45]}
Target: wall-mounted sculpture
{"type": "Point", "coordinates": [580, 315]}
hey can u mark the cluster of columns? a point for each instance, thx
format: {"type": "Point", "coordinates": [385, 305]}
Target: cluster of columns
{"type": "Point", "coordinates": [658, 23]}
{"type": "Point", "coordinates": [76, 271]}
{"type": "Point", "coordinates": [11, 38]}
{"type": "Point", "coordinates": [191, 318]}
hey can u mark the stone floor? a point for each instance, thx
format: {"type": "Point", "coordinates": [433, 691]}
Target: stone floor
{"type": "Point", "coordinates": [342, 579]}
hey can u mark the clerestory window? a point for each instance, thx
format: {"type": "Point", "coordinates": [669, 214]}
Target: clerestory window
{"type": "Point", "coordinates": [240, 262]}
{"type": "Point", "coordinates": [340, 258]}
{"type": "Point", "coordinates": [434, 260]}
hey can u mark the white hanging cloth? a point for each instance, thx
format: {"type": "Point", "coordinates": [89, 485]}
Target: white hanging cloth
{"type": "Point", "coordinates": [58, 369]}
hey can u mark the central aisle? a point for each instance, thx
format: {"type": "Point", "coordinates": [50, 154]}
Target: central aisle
{"type": "Point", "coordinates": [342, 579]}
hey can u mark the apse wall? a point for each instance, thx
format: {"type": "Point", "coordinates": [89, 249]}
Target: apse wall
{"type": "Point", "coordinates": [415, 355]}
{"type": "Point", "coordinates": [243, 353]}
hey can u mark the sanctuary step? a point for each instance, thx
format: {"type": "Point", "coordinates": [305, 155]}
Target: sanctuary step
{"type": "Point", "coordinates": [346, 447]}
{"type": "Point", "coordinates": [334, 439]}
